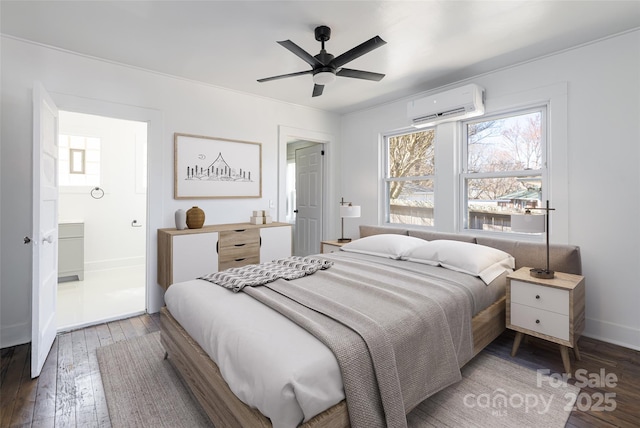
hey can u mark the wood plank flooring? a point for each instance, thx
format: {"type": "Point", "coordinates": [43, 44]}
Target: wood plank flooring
{"type": "Point", "coordinates": [69, 391]}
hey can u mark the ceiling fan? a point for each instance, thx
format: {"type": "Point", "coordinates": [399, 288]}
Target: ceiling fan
{"type": "Point", "coordinates": [325, 66]}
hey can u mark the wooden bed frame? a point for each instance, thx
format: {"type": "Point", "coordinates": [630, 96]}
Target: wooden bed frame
{"type": "Point", "coordinates": [203, 377]}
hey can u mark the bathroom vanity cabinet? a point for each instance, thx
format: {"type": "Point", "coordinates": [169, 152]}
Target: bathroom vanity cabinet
{"type": "Point", "coordinates": [71, 250]}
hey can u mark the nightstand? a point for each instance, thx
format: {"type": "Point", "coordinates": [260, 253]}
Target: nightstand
{"type": "Point", "coordinates": [331, 246]}
{"type": "Point", "coordinates": [551, 309]}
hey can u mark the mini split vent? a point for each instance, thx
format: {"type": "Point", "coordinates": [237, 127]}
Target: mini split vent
{"type": "Point", "coordinates": [460, 103]}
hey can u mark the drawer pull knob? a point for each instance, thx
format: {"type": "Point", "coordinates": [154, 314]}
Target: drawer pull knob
{"type": "Point", "coordinates": [537, 296]}
{"type": "Point", "coordinates": [239, 230]}
{"type": "Point", "coordinates": [537, 321]}
{"type": "Point", "coordinates": [239, 260]}
{"type": "Point", "coordinates": [239, 245]}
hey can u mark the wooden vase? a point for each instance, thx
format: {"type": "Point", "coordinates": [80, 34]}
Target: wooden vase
{"type": "Point", "coordinates": [195, 218]}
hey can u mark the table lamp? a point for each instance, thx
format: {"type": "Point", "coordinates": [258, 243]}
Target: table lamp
{"type": "Point", "coordinates": [347, 209]}
{"type": "Point", "coordinates": [530, 223]}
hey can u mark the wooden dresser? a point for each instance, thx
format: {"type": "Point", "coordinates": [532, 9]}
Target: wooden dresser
{"type": "Point", "coordinates": [187, 254]}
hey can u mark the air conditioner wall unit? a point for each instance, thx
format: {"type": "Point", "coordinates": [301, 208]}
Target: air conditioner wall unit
{"type": "Point", "coordinates": [460, 103]}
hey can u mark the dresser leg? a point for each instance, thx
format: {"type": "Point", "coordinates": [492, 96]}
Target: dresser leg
{"type": "Point", "coordinates": [564, 352]}
{"type": "Point", "coordinates": [516, 343]}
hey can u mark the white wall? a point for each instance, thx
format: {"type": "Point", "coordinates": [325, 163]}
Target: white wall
{"type": "Point", "coordinates": [184, 106]}
{"type": "Point", "coordinates": [600, 171]}
{"type": "Point", "coordinates": [110, 240]}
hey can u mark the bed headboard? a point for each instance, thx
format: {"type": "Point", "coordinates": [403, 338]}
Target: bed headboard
{"type": "Point", "coordinates": [562, 258]}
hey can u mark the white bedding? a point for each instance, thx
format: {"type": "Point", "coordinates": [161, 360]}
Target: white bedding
{"type": "Point", "coordinates": [241, 335]}
{"type": "Point", "coordinates": [306, 379]}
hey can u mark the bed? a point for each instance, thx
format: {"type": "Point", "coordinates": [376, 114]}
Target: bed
{"type": "Point", "coordinates": [186, 350]}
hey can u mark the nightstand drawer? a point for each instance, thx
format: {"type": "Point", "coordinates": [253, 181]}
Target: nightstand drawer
{"type": "Point", "coordinates": [540, 321]}
{"type": "Point", "coordinates": [328, 248]}
{"type": "Point", "coordinates": [540, 296]}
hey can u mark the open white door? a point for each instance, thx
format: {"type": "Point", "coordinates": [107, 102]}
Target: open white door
{"type": "Point", "coordinates": [45, 227]}
{"type": "Point", "coordinates": [308, 231]}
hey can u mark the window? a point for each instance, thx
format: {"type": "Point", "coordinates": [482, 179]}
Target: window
{"type": "Point", "coordinates": [504, 168]}
{"type": "Point", "coordinates": [79, 160]}
{"type": "Point", "coordinates": [409, 178]}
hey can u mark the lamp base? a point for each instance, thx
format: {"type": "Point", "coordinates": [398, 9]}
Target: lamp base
{"type": "Point", "coordinates": [542, 273]}
{"type": "Point", "coordinates": [344, 239]}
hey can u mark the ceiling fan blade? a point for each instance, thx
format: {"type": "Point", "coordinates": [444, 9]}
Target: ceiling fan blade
{"type": "Point", "coordinates": [283, 76]}
{"type": "Point", "coordinates": [301, 53]}
{"type": "Point", "coordinates": [358, 74]}
{"type": "Point", "coordinates": [358, 51]}
{"type": "Point", "coordinates": [317, 90]}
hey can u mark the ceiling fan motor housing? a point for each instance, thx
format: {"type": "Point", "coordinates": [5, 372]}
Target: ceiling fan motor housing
{"type": "Point", "coordinates": [323, 33]}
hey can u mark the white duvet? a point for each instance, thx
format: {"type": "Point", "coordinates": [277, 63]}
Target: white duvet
{"type": "Point", "coordinates": [304, 378]}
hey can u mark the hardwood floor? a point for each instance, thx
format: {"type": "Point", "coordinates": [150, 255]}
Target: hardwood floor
{"type": "Point", "coordinates": [69, 391]}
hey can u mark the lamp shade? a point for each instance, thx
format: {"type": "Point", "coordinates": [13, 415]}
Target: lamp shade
{"type": "Point", "coordinates": [349, 211]}
{"type": "Point", "coordinates": [527, 223]}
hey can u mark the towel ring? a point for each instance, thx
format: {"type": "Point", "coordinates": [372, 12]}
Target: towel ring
{"type": "Point", "coordinates": [97, 193]}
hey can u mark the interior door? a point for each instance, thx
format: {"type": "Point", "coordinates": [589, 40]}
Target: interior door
{"type": "Point", "coordinates": [308, 231]}
{"type": "Point", "coordinates": [45, 227]}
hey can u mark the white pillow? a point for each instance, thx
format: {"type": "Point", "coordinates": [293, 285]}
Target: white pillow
{"type": "Point", "coordinates": [391, 246]}
{"type": "Point", "coordinates": [478, 260]}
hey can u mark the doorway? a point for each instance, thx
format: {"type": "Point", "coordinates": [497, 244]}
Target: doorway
{"type": "Point", "coordinates": [102, 219]}
{"type": "Point", "coordinates": [305, 195]}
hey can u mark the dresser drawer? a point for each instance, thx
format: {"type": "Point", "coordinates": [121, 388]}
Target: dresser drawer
{"type": "Point", "coordinates": [240, 252]}
{"type": "Point", "coordinates": [540, 296]}
{"type": "Point", "coordinates": [239, 238]}
{"type": "Point", "coordinates": [243, 261]}
{"type": "Point", "coordinates": [540, 321]}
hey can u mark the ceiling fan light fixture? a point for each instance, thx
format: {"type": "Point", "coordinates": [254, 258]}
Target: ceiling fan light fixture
{"type": "Point", "coordinates": [324, 66]}
{"type": "Point", "coordinates": [324, 78]}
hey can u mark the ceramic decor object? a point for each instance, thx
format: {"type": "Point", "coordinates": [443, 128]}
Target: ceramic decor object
{"type": "Point", "coordinates": [181, 219]}
{"type": "Point", "coordinates": [195, 218]}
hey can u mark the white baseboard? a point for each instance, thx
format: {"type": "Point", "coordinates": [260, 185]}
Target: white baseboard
{"type": "Point", "coordinates": [616, 334]}
{"type": "Point", "coordinates": [100, 321]}
{"type": "Point", "coordinates": [114, 263]}
{"type": "Point", "coordinates": [15, 334]}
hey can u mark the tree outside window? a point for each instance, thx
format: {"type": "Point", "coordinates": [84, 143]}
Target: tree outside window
{"type": "Point", "coordinates": [505, 170]}
{"type": "Point", "coordinates": [409, 178]}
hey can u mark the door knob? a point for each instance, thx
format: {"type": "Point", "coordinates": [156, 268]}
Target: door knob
{"type": "Point", "coordinates": [295, 211]}
{"type": "Point", "coordinates": [27, 239]}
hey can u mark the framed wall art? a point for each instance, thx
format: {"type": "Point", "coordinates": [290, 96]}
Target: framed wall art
{"type": "Point", "coordinates": [209, 167]}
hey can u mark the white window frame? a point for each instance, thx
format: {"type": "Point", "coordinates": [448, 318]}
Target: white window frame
{"type": "Point", "coordinates": [83, 188]}
{"type": "Point", "coordinates": [386, 180]}
{"type": "Point", "coordinates": [449, 206]}
{"type": "Point", "coordinates": [466, 175]}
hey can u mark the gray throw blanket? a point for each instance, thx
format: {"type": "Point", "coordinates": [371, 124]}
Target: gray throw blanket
{"type": "Point", "coordinates": [398, 337]}
{"type": "Point", "coordinates": [252, 275]}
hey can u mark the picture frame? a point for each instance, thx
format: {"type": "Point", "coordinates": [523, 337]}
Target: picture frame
{"type": "Point", "coordinates": [210, 167]}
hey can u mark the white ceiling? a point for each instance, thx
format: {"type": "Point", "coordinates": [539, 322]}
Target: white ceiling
{"type": "Point", "coordinates": [232, 43]}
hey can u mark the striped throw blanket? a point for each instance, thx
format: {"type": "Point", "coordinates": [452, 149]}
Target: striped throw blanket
{"type": "Point", "coordinates": [252, 275]}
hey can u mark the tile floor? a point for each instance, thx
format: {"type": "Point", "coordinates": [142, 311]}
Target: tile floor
{"type": "Point", "coordinates": [103, 295]}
